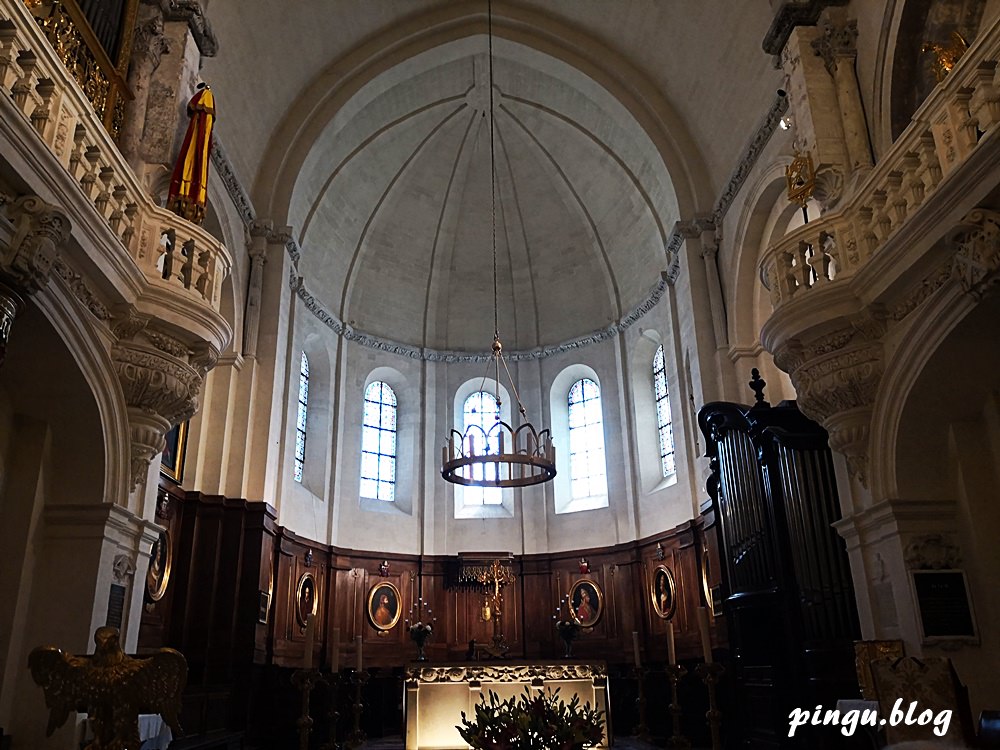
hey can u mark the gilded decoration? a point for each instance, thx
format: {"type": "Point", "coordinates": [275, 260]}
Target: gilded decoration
{"type": "Point", "coordinates": [111, 687]}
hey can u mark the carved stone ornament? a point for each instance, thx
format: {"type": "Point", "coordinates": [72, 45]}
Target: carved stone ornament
{"type": "Point", "coordinates": [836, 42]}
{"type": "Point", "coordinates": [977, 254]}
{"type": "Point", "coordinates": [122, 568]}
{"type": "Point", "coordinates": [932, 552]}
{"type": "Point", "coordinates": [149, 42]}
{"type": "Point", "coordinates": [506, 673]}
{"type": "Point", "coordinates": [160, 391]}
{"type": "Point", "coordinates": [40, 231]}
{"type": "Point", "coordinates": [192, 12]}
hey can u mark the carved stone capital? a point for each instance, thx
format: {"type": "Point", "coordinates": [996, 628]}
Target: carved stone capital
{"type": "Point", "coordinates": [160, 390]}
{"type": "Point", "coordinates": [150, 43]}
{"type": "Point", "coordinates": [122, 569]}
{"type": "Point", "coordinates": [836, 42]}
{"type": "Point", "coordinates": [40, 231]}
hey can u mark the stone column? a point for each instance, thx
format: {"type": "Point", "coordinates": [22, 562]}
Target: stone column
{"type": "Point", "coordinates": [837, 45]}
{"type": "Point", "coordinates": [147, 47]}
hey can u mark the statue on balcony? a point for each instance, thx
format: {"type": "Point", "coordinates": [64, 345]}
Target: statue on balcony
{"type": "Point", "coordinates": [111, 687]}
{"type": "Point", "coordinates": [189, 181]}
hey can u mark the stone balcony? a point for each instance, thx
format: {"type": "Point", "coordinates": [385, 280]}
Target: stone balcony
{"type": "Point", "coordinates": [80, 218]}
{"type": "Point", "coordinates": [841, 283]}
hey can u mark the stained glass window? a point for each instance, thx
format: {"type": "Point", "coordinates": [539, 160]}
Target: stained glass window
{"type": "Point", "coordinates": [588, 474]}
{"type": "Point", "coordinates": [483, 410]}
{"type": "Point", "coordinates": [664, 424]}
{"type": "Point", "coordinates": [378, 443]}
{"type": "Point", "coordinates": [300, 421]}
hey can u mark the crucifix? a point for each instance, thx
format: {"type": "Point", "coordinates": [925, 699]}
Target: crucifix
{"type": "Point", "coordinates": [495, 576]}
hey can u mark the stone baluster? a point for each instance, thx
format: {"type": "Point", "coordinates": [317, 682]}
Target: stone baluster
{"type": "Point", "coordinates": [88, 181]}
{"type": "Point", "coordinates": [22, 89]}
{"type": "Point", "coordinates": [187, 270]}
{"type": "Point", "coordinates": [883, 224]}
{"type": "Point", "coordinates": [45, 88]}
{"type": "Point", "coordinates": [77, 163]}
{"type": "Point", "coordinates": [801, 266]}
{"type": "Point", "coordinates": [117, 213]}
{"type": "Point", "coordinates": [985, 102]}
{"type": "Point", "coordinates": [105, 176]}
{"type": "Point", "coordinates": [8, 52]}
{"type": "Point", "coordinates": [913, 186]}
{"type": "Point", "coordinates": [931, 172]}
{"type": "Point", "coordinates": [130, 211]}
{"type": "Point", "coordinates": [897, 200]}
{"type": "Point", "coordinates": [206, 276]}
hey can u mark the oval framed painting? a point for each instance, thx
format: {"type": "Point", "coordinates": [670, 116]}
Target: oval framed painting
{"type": "Point", "coordinates": [383, 609]}
{"type": "Point", "coordinates": [306, 598]}
{"type": "Point", "coordinates": [587, 602]}
{"type": "Point", "coordinates": [663, 592]}
{"type": "Point", "coordinates": [160, 561]}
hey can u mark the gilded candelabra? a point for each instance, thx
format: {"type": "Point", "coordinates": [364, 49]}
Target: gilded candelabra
{"type": "Point", "coordinates": [493, 576]}
{"type": "Point", "coordinates": [675, 673]}
{"type": "Point", "coordinates": [710, 673]}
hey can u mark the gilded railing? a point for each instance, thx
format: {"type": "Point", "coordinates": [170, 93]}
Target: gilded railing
{"type": "Point", "coordinates": [102, 80]}
{"type": "Point", "coordinates": [944, 133]}
{"type": "Point", "coordinates": [172, 253]}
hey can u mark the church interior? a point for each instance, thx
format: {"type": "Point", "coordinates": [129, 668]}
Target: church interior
{"type": "Point", "coordinates": [408, 351]}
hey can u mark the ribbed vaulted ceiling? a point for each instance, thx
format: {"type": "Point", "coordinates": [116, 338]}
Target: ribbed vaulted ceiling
{"type": "Point", "coordinates": [393, 204]}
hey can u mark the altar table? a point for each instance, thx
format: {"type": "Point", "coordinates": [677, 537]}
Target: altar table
{"type": "Point", "coordinates": [436, 695]}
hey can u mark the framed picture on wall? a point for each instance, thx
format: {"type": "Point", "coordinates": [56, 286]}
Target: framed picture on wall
{"type": "Point", "coordinates": [383, 608]}
{"type": "Point", "coordinates": [587, 602]}
{"type": "Point", "coordinates": [306, 598]}
{"type": "Point", "coordinates": [663, 592]}
{"type": "Point", "coordinates": [160, 561]}
{"type": "Point", "coordinates": [172, 461]}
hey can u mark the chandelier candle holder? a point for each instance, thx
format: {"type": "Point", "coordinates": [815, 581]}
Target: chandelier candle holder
{"type": "Point", "coordinates": [500, 456]}
{"type": "Point", "coordinates": [420, 623]}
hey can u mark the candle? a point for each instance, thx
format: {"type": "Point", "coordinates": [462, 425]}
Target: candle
{"type": "Point", "coordinates": [310, 639]}
{"type": "Point", "coordinates": [335, 656]}
{"type": "Point", "coordinates": [635, 649]}
{"type": "Point", "coordinates": [671, 648]}
{"type": "Point", "coordinates": [357, 650]}
{"type": "Point", "coordinates": [706, 641]}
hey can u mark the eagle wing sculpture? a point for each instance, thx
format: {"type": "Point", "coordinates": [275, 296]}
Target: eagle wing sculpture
{"type": "Point", "coordinates": [111, 687]}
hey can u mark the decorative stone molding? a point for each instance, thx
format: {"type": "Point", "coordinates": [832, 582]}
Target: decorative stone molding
{"type": "Point", "coordinates": [149, 42]}
{"type": "Point", "coordinates": [427, 354]}
{"type": "Point", "coordinates": [81, 290]}
{"type": "Point", "coordinates": [231, 181]}
{"type": "Point", "coordinates": [122, 569]}
{"type": "Point", "coordinates": [40, 231]}
{"type": "Point", "coordinates": [506, 673]}
{"type": "Point", "coordinates": [932, 552]}
{"type": "Point", "coordinates": [793, 13]}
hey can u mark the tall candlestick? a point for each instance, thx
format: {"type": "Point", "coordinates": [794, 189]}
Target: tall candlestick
{"type": "Point", "coordinates": [335, 656]}
{"type": "Point", "coordinates": [706, 641]}
{"type": "Point", "coordinates": [671, 647]}
{"type": "Point", "coordinates": [635, 648]}
{"type": "Point", "coordinates": [310, 639]}
{"type": "Point", "coordinates": [357, 650]}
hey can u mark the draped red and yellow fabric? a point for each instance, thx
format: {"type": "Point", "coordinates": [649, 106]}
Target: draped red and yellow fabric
{"type": "Point", "coordinates": [189, 182]}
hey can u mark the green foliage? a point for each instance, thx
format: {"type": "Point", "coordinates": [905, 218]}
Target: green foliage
{"type": "Point", "coordinates": [534, 721]}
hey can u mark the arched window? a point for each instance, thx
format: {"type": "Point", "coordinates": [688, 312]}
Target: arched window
{"type": "Point", "coordinates": [378, 443]}
{"type": "Point", "coordinates": [588, 472]}
{"type": "Point", "coordinates": [482, 410]}
{"type": "Point", "coordinates": [664, 424]}
{"type": "Point", "coordinates": [300, 421]}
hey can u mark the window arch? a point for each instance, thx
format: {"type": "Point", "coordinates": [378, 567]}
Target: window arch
{"type": "Point", "coordinates": [664, 423]}
{"type": "Point", "coordinates": [378, 443]}
{"type": "Point", "coordinates": [300, 420]}
{"type": "Point", "coordinates": [587, 465]}
{"type": "Point", "coordinates": [481, 409]}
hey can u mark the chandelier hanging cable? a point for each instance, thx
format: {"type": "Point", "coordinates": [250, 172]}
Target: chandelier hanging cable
{"type": "Point", "coordinates": [500, 456]}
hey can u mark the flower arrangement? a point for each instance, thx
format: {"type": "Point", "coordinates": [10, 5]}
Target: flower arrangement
{"type": "Point", "coordinates": [539, 721]}
{"type": "Point", "coordinates": [419, 630]}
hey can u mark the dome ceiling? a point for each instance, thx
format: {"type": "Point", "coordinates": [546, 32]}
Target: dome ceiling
{"type": "Point", "coordinates": [394, 215]}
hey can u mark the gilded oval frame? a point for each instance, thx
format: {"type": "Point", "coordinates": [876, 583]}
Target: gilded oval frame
{"type": "Point", "coordinates": [156, 583]}
{"type": "Point", "coordinates": [665, 574]}
{"type": "Point", "coordinates": [575, 599]}
{"type": "Point", "coordinates": [300, 613]}
{"type": "Point", "coordinates": [376, 620]}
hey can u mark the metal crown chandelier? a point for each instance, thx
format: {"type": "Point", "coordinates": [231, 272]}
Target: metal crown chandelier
{"type": "Point", "coordinates": [500, 456]}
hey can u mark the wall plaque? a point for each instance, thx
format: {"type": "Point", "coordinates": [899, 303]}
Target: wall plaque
{"type": "Point", "coordinates": [116, 606]}
{"type": "Point", "coordinates": [943, 598]}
